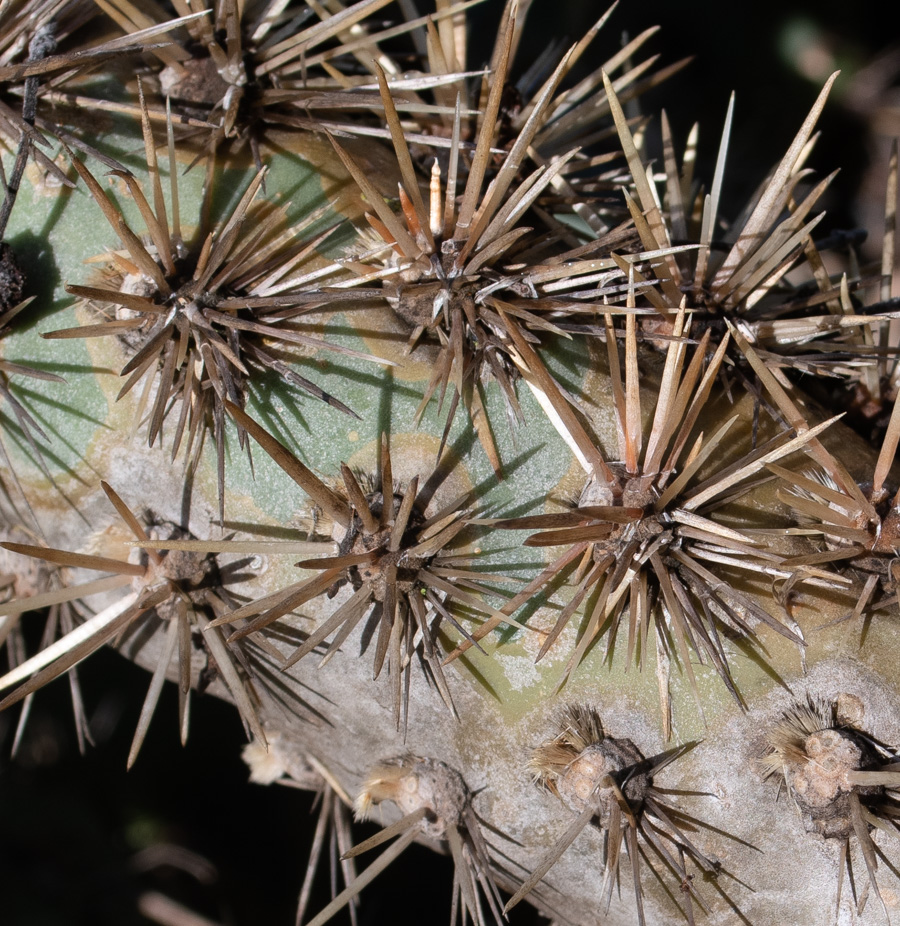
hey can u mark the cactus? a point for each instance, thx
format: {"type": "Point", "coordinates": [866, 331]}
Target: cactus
{"type": "Point", "coordinates": [452, 435]}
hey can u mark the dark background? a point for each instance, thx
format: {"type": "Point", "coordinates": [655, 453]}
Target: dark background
{"type": "Point", "coordinates": [775, 57]}
{"type": "Point", "coordinates": [72, 827]}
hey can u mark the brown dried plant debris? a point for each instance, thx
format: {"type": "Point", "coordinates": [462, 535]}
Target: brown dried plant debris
{"type": "Point", "coordinates": [178, 590]}
{"type": "Point", "coordinates": [31, 32]}
{"type": "Point", "coordinates": [607, 782]}
{"type": "Point", "coordinates": [17, 131]}
{"type": "Point", "coordinates": [644, 540]}
{"type": "Point", "coordinates": [843, 783]}
{"type": "Point", "coordinates": [407, 566]}
{"type": "Point", "coordinates": [741, 275]}
{"type": "Point", "coordinates": [436, 805]}
{"type": "Point", "coordinates": [205, 318]}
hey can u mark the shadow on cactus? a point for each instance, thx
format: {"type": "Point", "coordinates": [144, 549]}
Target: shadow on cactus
{"type": "Point", "coordinates": [461, 271]}
{"type": "Point", "coordinates": [508, 245]}
{"type": "Point", "coordinates": [407, 566]}
{"type": "Point", "coordinates": [13, 278]}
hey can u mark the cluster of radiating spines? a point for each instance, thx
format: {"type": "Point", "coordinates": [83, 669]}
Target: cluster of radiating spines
{"type": "Point", "coordinates": [644, 544]}
{"type": "Point", "coordinates": [175, 592]}
{"type": "Point", "coordinates": [436, 804]}
{"type": "Point", "coordinates": [405, 565]}
{"type": "Point", "coordinates": [460, 270]}
{"type": "Point", "coordinates": [196, 321]}
{"type": "Point", "coordinates": [204, 319]}
{"type": "Point", "coordinates": [844, 783]}
{"type": "Point", "coordinates": [246, 69]}
{"type": "Point", "coordinates": [806, 323]}
{"type": "Point", "coordinates": [853, 522]}
{"type": "Point", "coordinates": [446, 95]}
{"type": "Point", "coordinates": [608, 783]}
{"type": "Point", "coordinates": [468, 275]}
{"type": "Point", "coordinates": [47, 47]}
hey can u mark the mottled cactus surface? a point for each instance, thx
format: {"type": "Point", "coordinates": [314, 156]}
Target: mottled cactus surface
{"type": "Point", "coordinates": [436, 416]}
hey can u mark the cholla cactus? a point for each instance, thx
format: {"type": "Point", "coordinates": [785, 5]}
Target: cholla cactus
{"type": "Point", "coordinates": [319, 231]}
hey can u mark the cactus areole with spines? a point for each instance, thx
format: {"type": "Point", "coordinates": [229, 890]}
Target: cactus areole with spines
{"type": "Point", "coordinates": [460, 440]}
